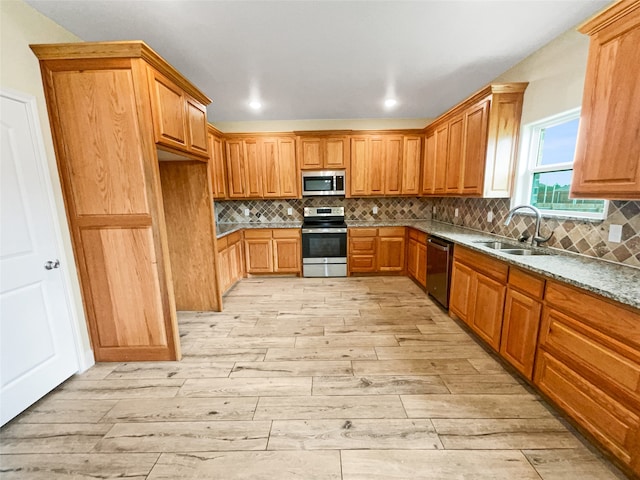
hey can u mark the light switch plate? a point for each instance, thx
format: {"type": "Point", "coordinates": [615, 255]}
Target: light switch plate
{"type": "Point", "coordinates": [246, 212]}
{"type": "Point", "coordinates": [490, 216]}
{"type": "Point", "coordinates": [289, 211]}
{"type": "Point", "coordinates": [375, 210]}
{"type": "Point", "coordinates": [615, 233]}
{"type": "Point", "coordinates": [456, 213]}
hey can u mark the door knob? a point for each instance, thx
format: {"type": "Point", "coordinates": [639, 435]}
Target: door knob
{"type": "Point", "coordinates": [50, 265]}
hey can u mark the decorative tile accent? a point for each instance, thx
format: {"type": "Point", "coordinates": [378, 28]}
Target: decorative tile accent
{"type": "Point", "coordinates": [578, 236]}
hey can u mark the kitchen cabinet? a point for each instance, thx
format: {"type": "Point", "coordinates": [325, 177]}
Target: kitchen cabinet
{"type": "Point", "coordinates": [323, 152]}
{"type": "Point", "coordinates": [230, 260]}
{"type": "Point", "coordinates": [179, 120]}
{"type": "Point", "coordinates": [607, 160]}
{"type": "Point", "coordinates": [521, 322]}
{"type": "Point", "coordinates": [273, 250]}
{"type": "Point", "coordinates": [478, 289]}
{"type": "Point", "coordinates": [114, 109]}
{"type": "Point", "coordinates": [262, 167]}
{"type": "Point", "coordinates": [376, 250]}
{"type": "Point", "coordinates": [385, 164]}
{"type": "Point", "coordinates": [471, 149]}
{"type": "Point", "coordinates": [217, 161]}
{"type": "Point", "coordinates": [588, 363]}
{"type": "Point", "coordinates": [417, 256]}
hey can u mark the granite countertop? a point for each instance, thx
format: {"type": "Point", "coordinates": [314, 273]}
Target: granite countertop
{"type": "Point", "coordinates": [611, 280]}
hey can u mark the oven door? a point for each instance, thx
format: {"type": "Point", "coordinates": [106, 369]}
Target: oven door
{"type": "Point", "coordinates": [322, 243]}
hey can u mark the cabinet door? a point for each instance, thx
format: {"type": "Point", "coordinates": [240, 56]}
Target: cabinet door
{"type": "Point", "coordinates": [218, 172]}
{"type": "Point", "coordinates": [460, 294]}
{"type": "Point", "coordinates": [196, 127]}
{"type": "Point", "coordinates": [271, 171]}
{"type": "Point", "coordinates": [454, 155]}
{"type": "Point", "coordinates": [607, 161]}
{"type": "Point", "coordinates": [429, 164]}
{"type": "Point", "coordinates": [421, 274]}
{"type": "Point", "coordinates": [487, 309]}
{"type": "Point", "coordinates": [336, 153]}
{"type": "Point", "coordinates": [475, 148]}
{"type": "Point", "coordinates": [224, 277]}
{"type": "Point", "coordinates": [440, 164]}
{"type": "Point", "coordinates": [310, 153]}
{"type": "Point", "coordinates": [289, 178]}
{"type": "Point", "coordinates": [259, 255]}
{"type": "Point", "coordinates": [392, 165]}
{"type": "Point", "coordinates": [359, 160]}
{"type": "Point", "coordinates": [375, 165]}
{"type": "Point", "coordinates": [520, 328]}
{"type": "Point", "coordinates": [391, 254]}
{"type": "Point", "coordinates": [411, 165]}
{"type": "Point", "coordinates": [253, 168]}
{"type": "Point", "coordinates": [412, 258]}
{"type": "Point", "coordinates": [169, 112]}
{"type": "Point", "coordinates": [286, 254]}
{"type": "Point", "coordinates": [236, 168]}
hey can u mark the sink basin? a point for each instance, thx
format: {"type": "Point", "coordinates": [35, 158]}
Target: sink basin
{"type": "Point", "coordinates": [512, 249]}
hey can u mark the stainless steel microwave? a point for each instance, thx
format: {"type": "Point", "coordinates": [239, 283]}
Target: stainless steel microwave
{"type": "Point", "coordinates": [323, 182]}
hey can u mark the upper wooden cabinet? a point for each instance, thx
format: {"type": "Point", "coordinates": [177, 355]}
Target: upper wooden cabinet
{"type": "Point", "coordinates": [471, 149]}
{"type": "Point", "coordinates": [607, 162]}
{"type": "Point", "coordinates": [262, 167]}
{"type": "Point", "coordinates": [317, 152]}
{"type": "Point", "coordinates": [216, 158]}
{"type": "Point", "coordinates": [385, 164]}
{"type": "Point", "coordinates": [109, 105]}
{"type": "Point", "coordinates": [179, 120]}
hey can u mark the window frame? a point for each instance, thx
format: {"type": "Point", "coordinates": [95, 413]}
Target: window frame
{"type": "Point", "coordinates": [527, 167]}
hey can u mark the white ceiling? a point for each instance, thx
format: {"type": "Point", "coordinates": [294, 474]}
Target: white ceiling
{"type": "Point", "coordinates": [329, 59]}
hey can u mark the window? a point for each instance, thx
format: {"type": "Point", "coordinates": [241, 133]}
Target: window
{"type": "Point", "coordinates": [546, 167]}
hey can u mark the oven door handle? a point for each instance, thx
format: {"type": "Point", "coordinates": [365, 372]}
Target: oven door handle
{"type": "Point", "coordinates": [324, 230]}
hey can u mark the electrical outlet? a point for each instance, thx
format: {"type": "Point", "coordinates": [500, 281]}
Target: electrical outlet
{"type": "Point", "coordinates": [246, 212]}
{"type": "Point", "coordinates": [434, 210]}
{"type": "Point", "coordinates": [289, 211]}
{"type": "Point", "coordinates": [489, 216]}
{"type": "Point", "coordinates": [615, 233]}
{"type": "Point", "coordinates": [456, 213]}
{"type": "Point", "coordinates": [375, 210]}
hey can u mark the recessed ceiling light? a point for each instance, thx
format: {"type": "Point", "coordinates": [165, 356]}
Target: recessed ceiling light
{"type": "Point", "coordinates": [255, 105]}
{"type": "Point", "coordinates": [390, 102]}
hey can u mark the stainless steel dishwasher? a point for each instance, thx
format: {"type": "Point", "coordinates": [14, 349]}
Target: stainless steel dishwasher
{"type": "Point", "coordinates": [439, 259]}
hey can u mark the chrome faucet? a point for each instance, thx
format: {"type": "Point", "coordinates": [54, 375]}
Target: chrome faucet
{"type": "Point", "coordinates": [536, 239]}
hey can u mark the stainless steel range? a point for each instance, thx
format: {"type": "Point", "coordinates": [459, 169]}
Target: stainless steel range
{"type": "Point", "coordinates": [324, 242]}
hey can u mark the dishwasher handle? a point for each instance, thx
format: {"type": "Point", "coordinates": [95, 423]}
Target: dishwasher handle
{"type": "Point", "coordinates": [438, 246]}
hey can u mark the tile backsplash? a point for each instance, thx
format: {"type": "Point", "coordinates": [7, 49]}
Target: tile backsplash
{"type": "Point", "coordinates": [578, 236]}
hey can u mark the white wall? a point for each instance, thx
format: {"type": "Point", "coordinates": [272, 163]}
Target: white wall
{"type": "Point", "coordinates": [555, 74]}
{"type": "Point", "coordinates": [21, 25]}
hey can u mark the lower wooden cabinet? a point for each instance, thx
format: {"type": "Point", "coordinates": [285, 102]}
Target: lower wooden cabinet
{"type": "Point", "coordinates": [521, 322]}
{"type": "Point", "coordinates": [417, 256]}
{"type": "Point", "coordinates": [273, 250]}
{"type": "Point", "coordinates": [478, 288]}
{"type": "Point", "coordinates": [377, 250]}
{"type": "Point", "coordinates": [230, 260]}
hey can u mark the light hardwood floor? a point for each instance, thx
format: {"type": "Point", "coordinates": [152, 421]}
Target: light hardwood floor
{"type": "Point", "coordinates": [357, 378]}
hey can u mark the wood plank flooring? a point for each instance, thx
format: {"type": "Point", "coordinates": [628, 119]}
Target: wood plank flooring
{"type": "Point", "coordinates": [313, 379]}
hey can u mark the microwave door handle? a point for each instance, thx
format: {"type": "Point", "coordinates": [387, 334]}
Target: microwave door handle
{"type": "Point", "coordinates": [335, 183]}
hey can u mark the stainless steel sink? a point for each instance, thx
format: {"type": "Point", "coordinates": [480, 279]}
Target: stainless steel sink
{"type": "Point", "coordinates": [512, 249]}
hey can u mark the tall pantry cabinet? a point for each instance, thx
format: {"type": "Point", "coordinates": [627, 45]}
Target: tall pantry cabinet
{"type": "Point", "coordinates": [116, 109]}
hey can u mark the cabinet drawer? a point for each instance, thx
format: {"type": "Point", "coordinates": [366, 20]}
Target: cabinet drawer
{"type": "Point", "coordinates": [286, 233]}
{"type": "Point", "coordinates": [603, 360]}
{"type": "Point", "coordinates": [526, 283]}
{"type": "Point", "coordinates": [362, 245]}
{"type": "Point", "coordinates": [391, 231]}
{"type": "Point", "coordinates": [363, 232]}
{"type": "Point", "coordinates": [418, 235]}
{"type": "Point", "coordinates": [606, 316]}
{"type": "Point", "coordinates": [258, 233]}
{"type": "Point", "coordinates": [482, 263]}
{"type": "Point", "coordinates": [362, 263]}
{"type": "Point", "coordinates": [614, 425]}
{"type": "Point", "coordinates": [234, 237]}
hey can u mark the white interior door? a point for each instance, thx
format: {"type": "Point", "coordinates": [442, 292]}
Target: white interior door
{"type": "Point", "coordinates": [37, 347]}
